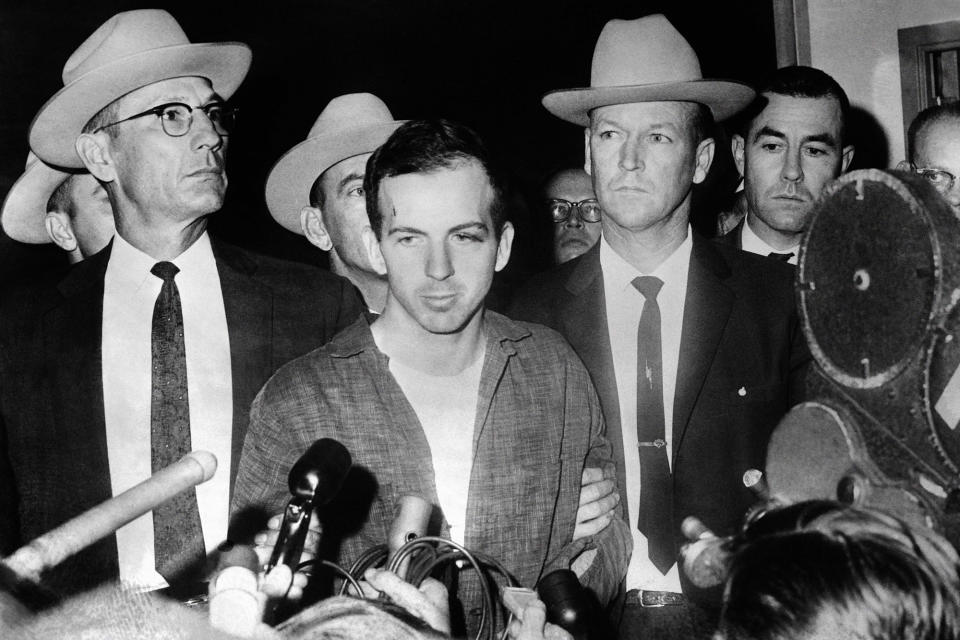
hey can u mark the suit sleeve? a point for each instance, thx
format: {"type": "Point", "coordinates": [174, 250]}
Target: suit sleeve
{"type": "Point", "coordinates": [611, 548]}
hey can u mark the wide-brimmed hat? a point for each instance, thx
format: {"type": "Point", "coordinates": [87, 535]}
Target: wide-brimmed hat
{"type": "Point", "coordinates": [645, 60]}
{"type": "Point", "coordinates": [25, 207]}
{"type": "Point", "coordinates": [348, 126]}
{"type": "Point", "coordinates": [130, 50]}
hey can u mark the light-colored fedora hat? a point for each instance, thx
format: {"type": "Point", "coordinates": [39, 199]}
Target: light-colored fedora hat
{"type": "Point", "coordinates": [130, 50]}
{"type": "Point", "coordinates": [25, 207]}
{"type": "Point", "coordinates": [645, 60]}
{"type": "Point", "coordinates": [349, 125]}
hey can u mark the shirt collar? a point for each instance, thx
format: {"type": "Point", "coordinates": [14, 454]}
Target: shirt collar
{"type": "Point", "coordinates": [132, 266]}
{"type": "Point", "coordinates": [674, 269]}
{"type": "Point", "coordinates": [750, 241]}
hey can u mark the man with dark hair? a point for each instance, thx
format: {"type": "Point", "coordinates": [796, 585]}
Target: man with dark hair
{"type": "Point", "coordinates": [822, 571]}
{"type": "Point", "coordinates": [491, 420]}
{"type": "Point", "coordinates": [933, 141]}
{"type": "Point", "coordinates": [695, 348]}
{"type": "Point", "coordinates": [316, 188]}
{"type": "Point", "coordinates": [70, 209]}
{"type": "Point", "coordinates": [157, 344]}
{"type": "Point", "coordinates": [786, 153]}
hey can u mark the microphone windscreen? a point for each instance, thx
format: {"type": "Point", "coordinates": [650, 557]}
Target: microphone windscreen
{"type": "Point", "coordinates": [320, 471]}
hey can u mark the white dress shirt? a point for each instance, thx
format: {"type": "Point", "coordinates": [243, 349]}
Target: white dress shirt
{"type": "Point", "coordinates": [624, 305]}
{"type": "Point", "coordinates": [749, 241]}
{"type": "Point", "coordinates": [130, 292]}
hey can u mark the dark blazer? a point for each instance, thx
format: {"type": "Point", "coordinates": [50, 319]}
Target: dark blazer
{"type": "Point", "coordinates": [734, 237]}
{"type": "Point", "coordinates": [742, 364]}
{"type": "Point", "coordinates": [53, 449]}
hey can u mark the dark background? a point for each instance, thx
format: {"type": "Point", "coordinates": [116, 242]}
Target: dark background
{"type": "Point", "coordinates": [485, 63]}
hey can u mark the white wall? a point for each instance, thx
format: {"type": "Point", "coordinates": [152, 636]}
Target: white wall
{"type": "Point", "coordinates": [855, 41]}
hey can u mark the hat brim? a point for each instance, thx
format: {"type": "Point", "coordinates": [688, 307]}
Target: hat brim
{"type": "Point", "coordinates": [724, 98]}
{"type": "Point", "coordinates": [291, 178]}
{"type": "Point", "coordinates": [25, 207]}
{"type": "Point", "coordinates": [56, 126]}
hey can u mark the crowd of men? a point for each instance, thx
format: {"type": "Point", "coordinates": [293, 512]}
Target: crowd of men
{"type": "Point", "coordinates": [623, 390]}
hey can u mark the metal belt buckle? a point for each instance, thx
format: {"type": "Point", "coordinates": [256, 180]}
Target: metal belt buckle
{"type": "Point", "coordinates": [660, 598]}
{"type": "Point", "coordinates": [658, 443]}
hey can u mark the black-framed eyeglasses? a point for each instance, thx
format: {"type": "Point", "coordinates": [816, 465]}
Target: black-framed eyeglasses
{"type": "Point", "coordinates": [589, 210]}
{"type": "Point", "coordinates": [941, 180]}
{"type": "Point", "coordinates": [176, 118]}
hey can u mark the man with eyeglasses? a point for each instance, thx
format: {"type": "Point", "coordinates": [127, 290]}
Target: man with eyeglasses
{"type": "Point", "coordinates": [933, 141]}
{"type": "Point", "coordinates": [793, 143]}
{"type": "Point", "coordinates": [575, 213]}
{"type": "Point", "coordinates": [156, 345]}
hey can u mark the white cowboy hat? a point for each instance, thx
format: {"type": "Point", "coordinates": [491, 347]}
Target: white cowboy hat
{"type": "Point", "coordinates": [25, 207]}
{"type": "Point", "coordinates": [130, 50]}
{"type": "Point", "coordinates": [348, 126]}
{"type": "Point", "coordinates": [645, 60]}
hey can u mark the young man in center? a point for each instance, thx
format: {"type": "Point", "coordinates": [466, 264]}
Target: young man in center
{"type": "Point", "coordinates": [493, 421]}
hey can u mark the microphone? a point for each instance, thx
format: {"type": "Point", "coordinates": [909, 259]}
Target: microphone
{"type": "Point", "coordinates": [411, 522]}
{"type": "Point", "coordinates": [566, 601]}
{"type": "Point", "coordinates": [236, 605]}
{"type": "Point", "coordinates": [314, 480]}
{"type": "Point", "coordinates": [57, 545]}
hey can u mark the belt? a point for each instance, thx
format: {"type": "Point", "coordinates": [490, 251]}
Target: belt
{"type": "Point", "coordinates": [660, 598]}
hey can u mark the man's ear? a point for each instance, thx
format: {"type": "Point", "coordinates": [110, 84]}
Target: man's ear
{"type": "Point", "coordinates": [60, 229]}
{"type": "Point", "coordinates": [846, 158]}
{"type": "Point", "coordinates": [372, 245]}
{"type": "Point", "coordinates": [311, 223]}
{"type": "Point", "coordinates": [736, 147]}
{"type": "Point", "coordinates": [504, 246]}
{"type": "Point", "coordinates": [94, 151]}
{"type": "Point", "coordinates": [586, 152]}
{"type": "Point", "coordinates": [704, 159]}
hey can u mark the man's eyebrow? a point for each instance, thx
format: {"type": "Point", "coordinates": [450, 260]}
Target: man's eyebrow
{"type": "Point", "coordinates": [769, 131]}
{"type": "Point", "coordinates": [475, 226]}
{"type": "Point", "coordinates": [408, 230]}
{"type": "Point", "coordinates": [347, 179]}
{"type": "Point", "coordinates": [823, 138]}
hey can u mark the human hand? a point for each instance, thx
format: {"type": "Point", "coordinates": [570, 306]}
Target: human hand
{"type": "Point", "coordinates": [429, 602]}
{"type": "Point", "coordinates": [282, 582]}
{"type": "Point", "coordinates": [532, 624]}
{"type": "Point", "coordinates": [598, 499]}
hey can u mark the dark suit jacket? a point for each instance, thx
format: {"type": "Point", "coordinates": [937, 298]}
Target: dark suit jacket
{"type": "Point", "coordinates": [53, 449]}
{"type": "Point", "coordinates": [734, 237]}
{"type": "Point", "coordinates": [742, 364]}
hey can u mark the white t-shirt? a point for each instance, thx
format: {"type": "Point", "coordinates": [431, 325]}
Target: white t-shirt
{"type": "Point", "coordinates": [447, 409]}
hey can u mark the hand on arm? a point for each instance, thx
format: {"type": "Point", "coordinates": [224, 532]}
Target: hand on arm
{"type": "Point", "coordinates": [598, 501]}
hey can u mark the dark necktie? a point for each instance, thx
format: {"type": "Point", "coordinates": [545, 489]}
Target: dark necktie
{"type": "Point", "coordinates": [656, 487]}
{"type": "Point", "coordinates": [783, 257]}
{"type": "Point", "coordinates": [178, 546]}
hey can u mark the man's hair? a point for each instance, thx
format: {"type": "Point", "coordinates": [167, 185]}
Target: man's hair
{"type": "Point", "coordinates": [60, 199]}
{"type": "Point", "coordinates": [102, 118]}
{"type": "Point", "coordinates": [799, 81]}
{"type": "Point", "coordinates": [930, 115]}
{"type": "Point", "coordinates": [427, 146]}
{"type": "Point", "coordinates": [821, 563]}
{"type": "Point", "coordinates": [318, 197]}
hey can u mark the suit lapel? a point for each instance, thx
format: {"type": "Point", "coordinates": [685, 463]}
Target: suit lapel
{"type": "Point", "coordinates": [248, 305]}
{"type": "Point", "coordinates": [705, 313]}
{"type": "Point", "coordinates": [583, 320]}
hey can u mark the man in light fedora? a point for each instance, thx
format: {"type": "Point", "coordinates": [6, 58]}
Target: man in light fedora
{"type": "Point", "coordinates": [67, 208]}
{"type": "Point", "coordinates": [157, 344]}
{"type": "Point", "coordinates": [695, 349]}
{"type": "Point", "coordinates": [316, 188]}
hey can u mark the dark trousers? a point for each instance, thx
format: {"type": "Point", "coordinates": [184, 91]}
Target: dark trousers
{"type": "Point", "coordinates": [687, 621]}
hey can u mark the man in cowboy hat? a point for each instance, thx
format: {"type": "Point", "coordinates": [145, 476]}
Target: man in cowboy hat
{"type": "Point", "coordinates": [70, 209]}
{"type": "Point", "coordinates": [786, 152]}
{"type": "Point", "coordinates": [316, 188]}
{"type": "Point", "coordinates": [695, 349]}
{"type": "Point", "coordinates": [157, 344]}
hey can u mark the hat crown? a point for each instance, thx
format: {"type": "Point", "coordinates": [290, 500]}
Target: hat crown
{"type": "Point", "coordinates": [125, 34]}
{"type": "Point", "coordinates": [350, 111]}
{"type": "Point", "coordinates": [647, 50]}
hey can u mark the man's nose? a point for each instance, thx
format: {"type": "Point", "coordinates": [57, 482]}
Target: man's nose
{"type": "Point", "coordinates": [439, 265]}
{"type": "Point", "coordinates": [631, 155]}
{"type": "Point", "coordinates": [792, 167]}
